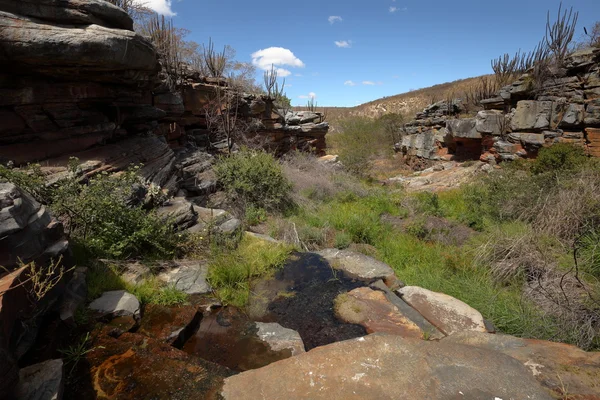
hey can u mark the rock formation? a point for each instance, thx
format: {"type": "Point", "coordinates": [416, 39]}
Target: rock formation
{"type": "Point", "coordinates": [525, 117]}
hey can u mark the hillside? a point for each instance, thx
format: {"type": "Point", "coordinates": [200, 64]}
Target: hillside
{"type": "Point", "coordinates": [407, 103]}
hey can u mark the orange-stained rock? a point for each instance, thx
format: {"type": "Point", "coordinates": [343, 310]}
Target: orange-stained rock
{"type": "Point", "coordinates": [566, 370]}
{"type": "Point", "coordinates": [371, 309]}
{"type": "Point", "coordinates": [168, 324]}
{"type": "Point", "coordinates": [137, 367]}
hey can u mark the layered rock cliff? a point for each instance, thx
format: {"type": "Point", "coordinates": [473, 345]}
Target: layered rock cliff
{"type": "Point", "coordinates": [523, 118]}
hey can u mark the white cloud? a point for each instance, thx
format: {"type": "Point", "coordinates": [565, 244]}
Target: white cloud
{"type": "Point", "coordinates": [349, 83]}
{"type": "Point", "coordinates": [343, 43]}
{"type": "Point", "coordinates": [368, 83]}
{"type": "Point", "coordinates": [311, 95]}
{"type": "Point", "coordinates": [163, 7]}
{"type": "Point", "coordinates": [276, 56]}
{"type": "Point", "coordinates": [393, 9]}
{"type": "Point", "coordinates": [334, 18]}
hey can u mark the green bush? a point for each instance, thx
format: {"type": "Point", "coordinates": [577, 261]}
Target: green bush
{"type": "Point", "coordinates": [559, 157]}
{"type": "Point", "coordinates": [255, 178]}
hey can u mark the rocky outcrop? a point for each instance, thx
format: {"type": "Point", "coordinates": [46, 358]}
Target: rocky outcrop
{"type": "Point", "coordinates": [523, 118]}
{"type": "Point", "coordinates": [116, 303]}
{"type": "Point", "coordinates": [389, 367]}
{"type": "Point", "coordinates": [27, 230]}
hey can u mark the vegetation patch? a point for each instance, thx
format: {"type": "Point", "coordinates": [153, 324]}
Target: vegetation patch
{"type": "Point", "coordinates": [231, 272]}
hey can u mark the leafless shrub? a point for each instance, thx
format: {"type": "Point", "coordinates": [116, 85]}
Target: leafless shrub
{"type": "Point", "coordinates": [224, 119]}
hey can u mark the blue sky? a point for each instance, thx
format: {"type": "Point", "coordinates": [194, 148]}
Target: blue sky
{"type": "Point", "coordinates": [384, 47]}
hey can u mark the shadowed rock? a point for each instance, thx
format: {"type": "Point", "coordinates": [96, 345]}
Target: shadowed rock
{"type": "Point", "coordinates": [43, 381]}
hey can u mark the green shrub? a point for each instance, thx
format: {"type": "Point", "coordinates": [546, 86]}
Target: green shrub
{"type": "Point", "coordinates": [255, 178]}
{"type": "Point", "coordinates": [559, 157]}
{"type": "Point", "coordinates": [429, 203]}
{"type": "Point", "coordinates": [255, 215]}
{"type": "Point", "coordinates": [31, 179]}
{"type": "Point", "coordinates": [342, 240]}
{"type": "Point", "coordinates": [105, 218]}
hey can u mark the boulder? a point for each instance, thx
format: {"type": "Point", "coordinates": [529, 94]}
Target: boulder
{"type": "Point", "coordinates": [535, 115]}
{"type": "Point", "coordinates": [359, 265]}
{"type": "Point", "coordinates": [43, 381]}
{"type": "Point", "coordinates": [567, 371]}
{"type": "Point", "coordinates": [572, 116]}
{"type": "Point", "coordinates": [463, 128]}
{"type": "Point", "coordinates": [372, 310]}
{"type": "Point", "coordinates": [389, 367]}
{"type": "Point", "coordinates": [187, 276]}
{"type": "Point", "coordinates": [446, 313]}
{"type": "Point", "coordinates": [75, 12]}
{"type": "Point", "coordinates": [116, 303]}
{"type": "Point", "coordinates": [279, 338]}
{"type": "Point", "coordinates": [9, 371]}
{"type": "Point", "coordinates": [27, 230]}
{"type": "Point", "coordinates": [490, 122]}
{"type": "Point", "coordinates": [430, 331]}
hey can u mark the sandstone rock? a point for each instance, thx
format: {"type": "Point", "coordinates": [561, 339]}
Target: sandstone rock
{"type": "Point", "coordinates": [372, 310]}
{"type": "Point", "coordinates": [260, 236]}
{"type": "Point", "coordinates": [564, 369]}
{"type": "Point", "coordinates": [169, 324]}
{"type": "Point", "coordinates": [430, 331]}
{"type": "Point", "coordinates": [187, 276]}
{"type": "Point", "coordinates": [76, 12]}
{"type": "Point", "coordinates": [44, 381]}
{"type": "Point", "coordinates": [27, 230]}
{"type": "Point", "coordinates": [463, 128]}
{"type": "Point", "coordinates": [116, 303]}
{"type": "Point", "coordinates": [230, 227]}
{"type": "Point", "coordinates": [75, 294]}
{"type": "Point", "coordinates": [490, 122]}
{"type": "Point", "coordinates": [572, 117]}
{"type": "Point", "coordinates": [531, 114]}
{"type": "Point", "coordinates": [359, 265]}
{"type": "Point", "coordinates": [279, 338]}
{"type": "Point", "coordinates": [389, 367]}
{"type": "Point", "coordinates": [446, 313]}
{"type": "Point", "coordinates": [592, 113]}
{"type": "Point", "coordinates": [526, 139]}
{"type": "Point", "coordinates": [93, 50]}
{"type": "Point", "coordinates": [160, 370]}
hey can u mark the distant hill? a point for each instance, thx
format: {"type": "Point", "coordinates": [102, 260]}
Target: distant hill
{"type": "Point", "coordinates": [406, 103]}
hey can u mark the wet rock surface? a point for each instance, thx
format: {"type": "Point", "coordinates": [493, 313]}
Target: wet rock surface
{"type": "Point", "coordinates": [188, 276]}
{"type": "Point", "coordinates": [389, 367]}
{"type": "Point", "coordinates": [171, 325]}
{"type": "Point", "coordinates": [229, 338]}
{"type": "Point", "coordinates": [134, 366]}
{"type": "Point", "coordinates": [305, 289]}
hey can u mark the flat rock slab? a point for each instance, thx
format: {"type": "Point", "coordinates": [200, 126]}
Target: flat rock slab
{"type": "Point", "coordinates": [446, 313]}
{"type": "Point", "coordinates": [566, 370]}
{"type": "Point", "coordinates": [389, 367]}
{"type": "Point", "coordinates": [187, 276]}
{"type": "Point", "coordinates": [169, 324]}
{"type": "Point", "coordinates": [43, 381]}
{"type": "Point", "coordinates": [359, 265]}
{"type": "Point", "coordinates": [280, 338]}
{"type": "Point", "coordinates": [137, 367]}
{"type": "Point", "coordinates": [372, 310]}
{"type": "Point", "coordinates": [116, 303]}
